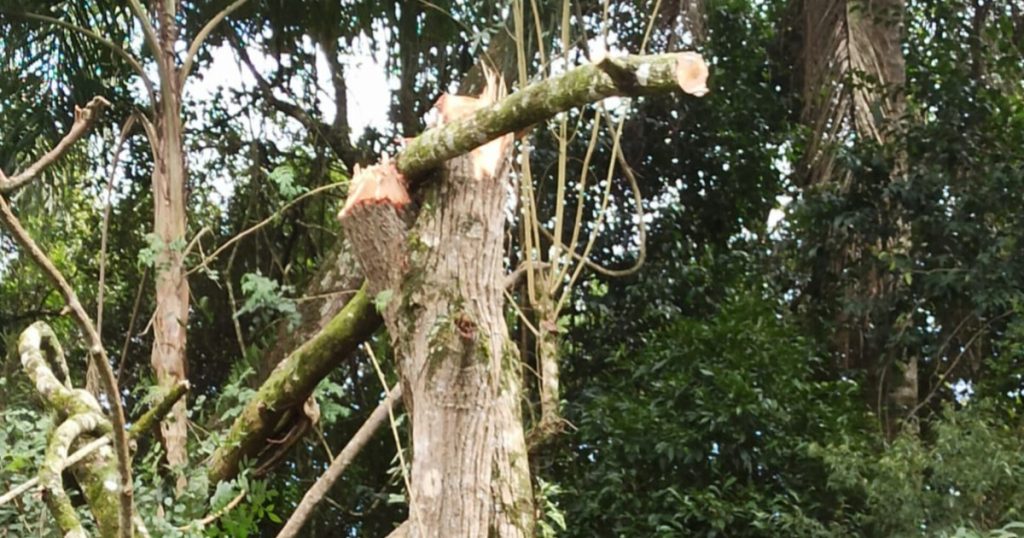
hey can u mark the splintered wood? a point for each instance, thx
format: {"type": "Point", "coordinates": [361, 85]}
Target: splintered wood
{"type": "Point", "coordinates": [377, 184]}
{"type": "Point", "coordinates": [489, 156]}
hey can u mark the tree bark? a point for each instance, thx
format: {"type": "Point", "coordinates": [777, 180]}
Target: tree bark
{"type": "Point", "coordinates": [170, 322]}
{"type": "Point", "coordinates": [460, 373]}
{"type": "Point", "coordinates": [853, 89]}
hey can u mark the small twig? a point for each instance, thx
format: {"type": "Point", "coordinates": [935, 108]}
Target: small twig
{"type": "Point", "coordinates": [206, 261]}
{"type": "Point", "coordinates": [216, 515]}
{"type": "Point", "coordinates": [325, 295]}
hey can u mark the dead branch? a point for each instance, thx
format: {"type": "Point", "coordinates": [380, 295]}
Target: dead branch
{"type": "Point", "coordinates": [317, 492]}
{"type": "Point", "coordinates": [84, 120]}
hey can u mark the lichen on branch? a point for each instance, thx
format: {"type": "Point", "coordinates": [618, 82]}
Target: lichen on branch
{"type": "Point", "coordinates": [631, 75]}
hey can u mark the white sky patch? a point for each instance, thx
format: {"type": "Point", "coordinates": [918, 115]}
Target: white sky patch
{"type": "Point", "coordinates": [778, 213]}
{"type": "Point", "coordinates": [369, 90]}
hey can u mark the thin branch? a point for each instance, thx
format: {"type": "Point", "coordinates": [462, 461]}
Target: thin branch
{"type": "Point", "coordinates": [125, 130]}
{"type": "Point", "coordinates": [74, 458]}
{"type": "Point", "coordinates": [193, 49]}
{"type": "Point", "coordinates": [956, 361]}
{"type": "Point", "coordinates": [132, 62]}
{"type": "Point", "coordinates": [84, 120]}
{"type": "Point", "coordinates": [635, 75]}
{"type": "Point", "coordinates": [319, 490]}
{"type": "Point", "coordinates": [96, 352]}
{"type": "Point", "coordinates": [206, 261]}
{"type": "Point", "coordinates": [131, 325]}
{"type": "Point", "coordinates": [150, 37]}
{"type": "Point", "coordinates": [200, 523]}
{"type": "Point", "coordinates": [339, 144]}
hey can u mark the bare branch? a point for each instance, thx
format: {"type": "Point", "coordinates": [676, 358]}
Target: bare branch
{"type": "Point", "coordinates": [74, 458]}
{"type": "Point", "coordinates": [324, 484]}
{"type": "Point", "coordinates": [200, 523]}
{"type": "Point", "coordinates": [241, 235]}
{"type": "Point", "coordinates": [84, 120]}
{"type": "Point", "coordinates": [100, 288]}
{"type": "Point", "coordinates": [149, 35]}
{"type": "Point", "coordinates": [193, 49]}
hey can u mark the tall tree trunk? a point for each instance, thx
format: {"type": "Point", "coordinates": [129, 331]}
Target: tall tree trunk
{"type": "Point", "coordinates": [170, 321]}
{"type": "Point", "coordinates": [853, 90]}
{"type": "Point", "coordinates": [443, 280]}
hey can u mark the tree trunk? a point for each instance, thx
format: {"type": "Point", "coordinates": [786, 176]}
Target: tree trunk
{"type": "Point", "coordinates": [442, 280]}
{"type": "Point", "coordinates": [853, 90]}
{"type": "Point", "coordinates": [170, 322]}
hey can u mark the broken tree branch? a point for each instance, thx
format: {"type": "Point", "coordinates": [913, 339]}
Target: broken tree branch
{"type": "Point", "coordinates": [85, 117]}
{"type": "Point", "coordinates": [291, 383]}
{"type": "Point", "coordinates": [610, 77]}
{"type": "Point", "coordinates": [295, 377]}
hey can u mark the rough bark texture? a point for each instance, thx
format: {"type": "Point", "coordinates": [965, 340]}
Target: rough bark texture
{"type": "Point", "coordinates": [291, 383]}
{"type": "Point", "coordinates": [170, 322]}
{"type": "Point", "coordinates": [461, 375]}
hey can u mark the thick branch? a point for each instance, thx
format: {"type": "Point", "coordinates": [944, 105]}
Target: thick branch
{"type": "Point", "coordinates": [293, 381]}
{"type": "Point", "coordinates": [84, 120]}
{"type": "Point", "coordinates": [324, 484]}
{"type": "Point", "coordinates": [96, 352]}
{"type": "Point", "coordinates": [626, 76]}
{"type": "Point", "coordinates": [153, 417]}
